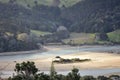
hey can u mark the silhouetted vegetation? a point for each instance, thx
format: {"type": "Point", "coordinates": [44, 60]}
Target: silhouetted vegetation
{"type": "Point", "coordinates": [73, 60]}
{"type": "Point", "coordinates": [28, 71]}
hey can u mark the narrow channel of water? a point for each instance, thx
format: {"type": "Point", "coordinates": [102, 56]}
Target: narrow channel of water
{"type": "Point", "coordinates": [60, 52]}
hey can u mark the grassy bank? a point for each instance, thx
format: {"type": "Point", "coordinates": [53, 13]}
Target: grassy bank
{"type": "Point", "coordinates": [114, 36]}
{"type": "Point", "coordinates": [80, 38]}
{"type": "Point", "coordinates": [89, 38]}
{"type": "Point", "coordinates": [39, 33]}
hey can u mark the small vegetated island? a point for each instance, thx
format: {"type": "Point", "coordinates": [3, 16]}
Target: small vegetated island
{"type": "Point", "coordinates": [61, 60]}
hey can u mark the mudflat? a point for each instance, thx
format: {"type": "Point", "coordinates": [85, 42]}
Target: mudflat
{"type": "Point", "coordinates": [99, 60]}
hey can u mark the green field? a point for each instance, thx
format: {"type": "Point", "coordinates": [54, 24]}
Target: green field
{"type": "Point", "coordinates": [39, 33]}
{"type": "Point", "coordinates": [114, 36]}
{"type": "Point", "coordinates": [45, 2]}
{"type": "Point", "coordinates": [68, 3]}
{"type": "Point", "coordinates": [80, 38]}
{"type": "Point", "coordinates": [89, 38]}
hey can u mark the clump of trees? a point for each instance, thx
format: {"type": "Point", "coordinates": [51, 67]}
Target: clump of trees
{"type": "Point", "coordinates": [15, 36]}
{"type": "Point", "coordinates": [28, 71]}
{"type": "Point", "coordinates": [57, 36]}
{"type": "Point", "coordinates": [73, 60]}
{"type": "Point", "coordinates": [12, 43]}
{"type": "Point", "coordinates": [101, 37]}
{"type": "Point", "coordinates": [62, 32]}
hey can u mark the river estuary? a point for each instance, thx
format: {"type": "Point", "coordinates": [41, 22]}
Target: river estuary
{"type": "Point", "coordinates": [66, 51]}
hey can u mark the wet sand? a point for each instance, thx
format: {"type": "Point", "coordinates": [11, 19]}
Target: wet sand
{"type": "Point", "coordinates": [98, 61]}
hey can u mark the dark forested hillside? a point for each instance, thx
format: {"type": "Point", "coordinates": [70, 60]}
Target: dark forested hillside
{"type": "Point", "coordinates": [85, 16]}
{"type": "Point", "coordinates": [45, 18]}
{"type": "Point", "coordinates": [11, 18]}
{"type": "Point", "coordinates": [93, 16]}
{"type": "Point", "coordinates": [13, 23]}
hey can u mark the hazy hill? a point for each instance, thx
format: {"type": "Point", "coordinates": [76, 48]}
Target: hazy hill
{"type": "Point", "coordinates": [44, 2]}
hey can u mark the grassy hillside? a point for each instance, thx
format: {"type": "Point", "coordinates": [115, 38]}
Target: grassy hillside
{"type": "Point", "coordinates": [114, 36]}
{"type": "Point", "coordinates": [45, 2]}
{"type": "Point", "coordinates": [68, 3]}
{"type": "Point", "coordinates": [80, 38]}
{"type": "Point", "coordinates": [39, 33]}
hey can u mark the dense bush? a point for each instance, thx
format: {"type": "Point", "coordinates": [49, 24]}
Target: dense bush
{"type": "Point", "coordinates": [11, 43]}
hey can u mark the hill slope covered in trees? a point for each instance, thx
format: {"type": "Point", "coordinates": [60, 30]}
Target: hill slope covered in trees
{"type": "Point", "coordinates": [93, 16]}
{"type": "Point", "coordinates": [89, 16]}
{"type": "Point", "coordinates": [85, 16]}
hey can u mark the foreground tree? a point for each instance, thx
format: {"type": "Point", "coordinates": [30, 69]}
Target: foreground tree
{"type": "Point", "coordinates": [52, 72]}
{"type": "Point", "coordinates": [42, 76]}
{"type": "Point", "coordinates": [88, 78]}
{"type": "Point", "coordinates": [28, 71]}
{"type": "Point", "coordinates": [25, 71]}
{"type": "Point", "coordinates": [102, 78]}
{"type": "Point", "coordinates": [74, 75]}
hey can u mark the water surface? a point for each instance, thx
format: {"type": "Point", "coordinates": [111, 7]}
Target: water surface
{"type": "Point", "coordinates": [60, 52]}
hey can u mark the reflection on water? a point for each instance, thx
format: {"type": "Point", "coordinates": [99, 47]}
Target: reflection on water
{"type": "Point", "coordinates": [37, 55]}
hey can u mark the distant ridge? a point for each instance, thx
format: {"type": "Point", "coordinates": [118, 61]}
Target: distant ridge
{"type": "Point", "coordinates": [44, 2]}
